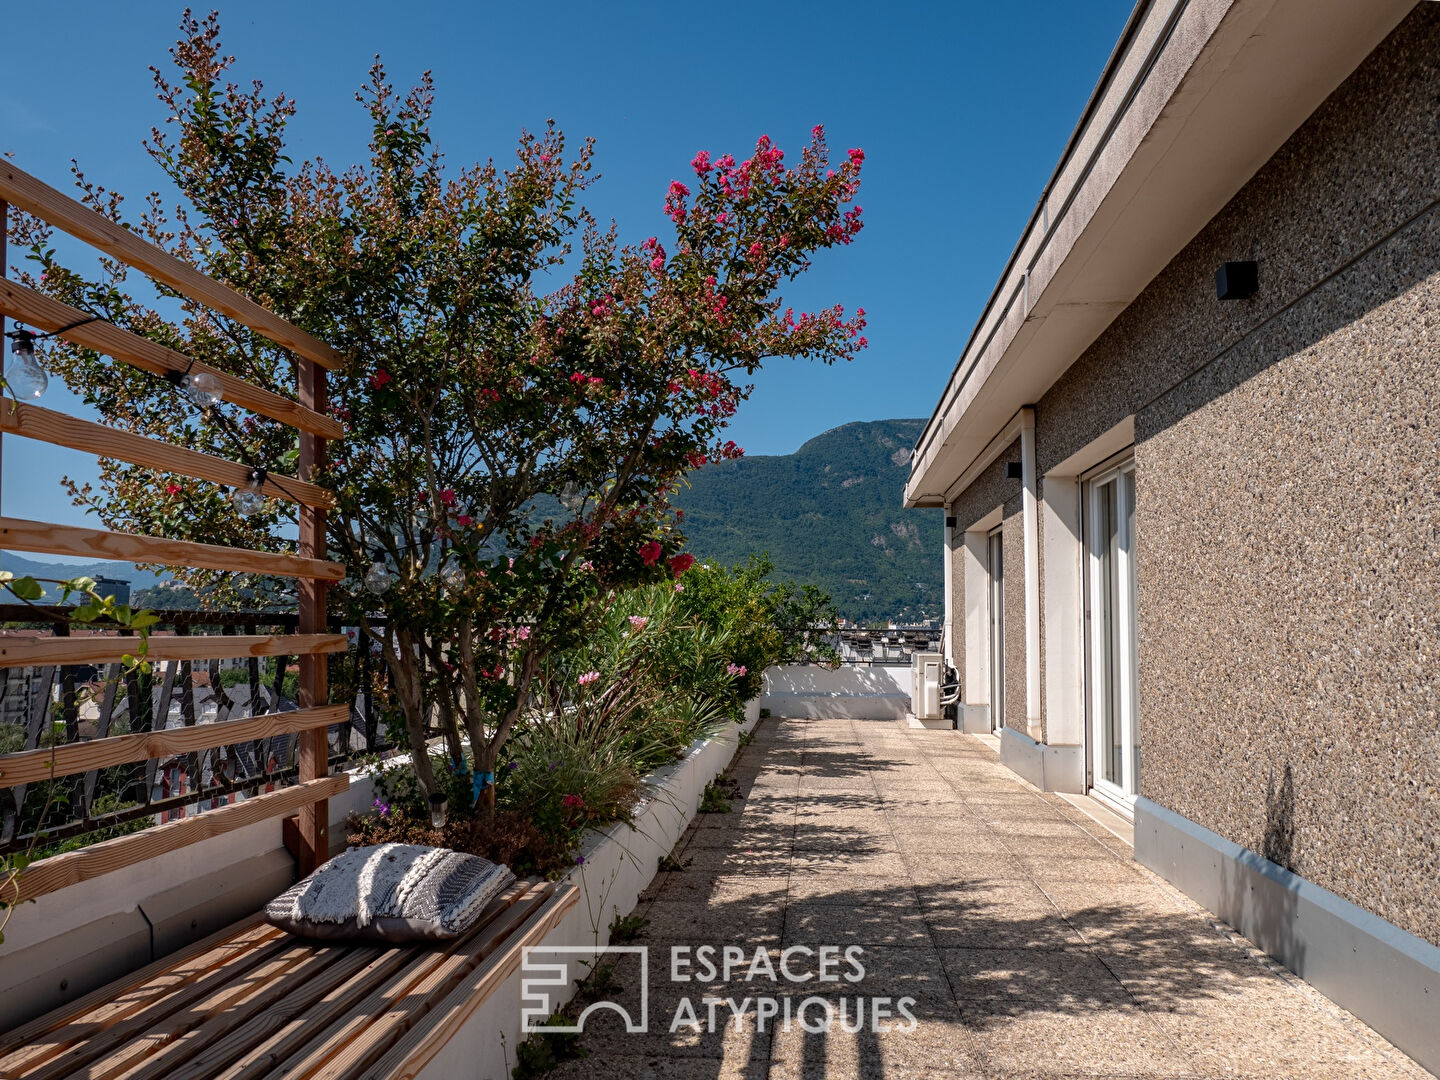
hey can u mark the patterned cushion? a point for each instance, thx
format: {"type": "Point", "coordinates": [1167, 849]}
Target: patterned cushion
{"type": "Point", "coordinates": [390, 892]}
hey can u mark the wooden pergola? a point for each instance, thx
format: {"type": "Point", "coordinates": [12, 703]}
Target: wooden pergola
{"type": "Point", "coordinates": [311, 643]}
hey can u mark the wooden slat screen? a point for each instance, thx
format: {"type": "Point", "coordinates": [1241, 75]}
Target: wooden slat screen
{"type": "Point", "coordinates": [20, 189]}
{"type": "Point", "coordinates": [308, 414]}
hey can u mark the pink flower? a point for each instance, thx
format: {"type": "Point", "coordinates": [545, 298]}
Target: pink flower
{"type": "Point", "coordinates": [447, 496]}
{"type": "Point", "coordinates": [721, 218]}
{"type": "Point", "coordinates": [650, 552]}
{"type": "Point", "coordinates": [464, 521]}
{"type": "Point", "coordinates": [784, 240]}
{"type": "Point", "coordinates": [573, 802]}
{"type": "Point", "coordinates": [657, 264]}
{"type": "Point", "coordinates": [856, 156]}
{"type": "Point", "coordinates": [172, 488]}
{"type": "Point", "coordinates": [637, 623]}
{"type": "Point", "coordinates": [756, 252]}
{"type": "Point", "coordinates": [680, 563]}
{"type": "Point", "coordinates": [588, 678]}
{"type": "Point", "coordinates": [736, 670]}
{"type": "Point", "coordinates": [818, 131]}
{"type": "Point", "coordinates": [380, 378]}
{"type": "Point", "coordinates": [679, 587]}
{"type": "Point", "coordinates": [678, 190]}
{"type": "Point", "coordinates": [578, 377]}
{"type": "Point", "coordinates": [544, 159]}
{"type": "Point", "coordinates": [701, 163]}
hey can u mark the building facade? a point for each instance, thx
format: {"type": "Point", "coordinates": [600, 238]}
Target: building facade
{"type": "Point", "coordinates": [1190, 465]}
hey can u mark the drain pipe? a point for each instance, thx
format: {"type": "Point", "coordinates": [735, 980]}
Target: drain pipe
{"type": "Point", "coordinates": [1030, 520]}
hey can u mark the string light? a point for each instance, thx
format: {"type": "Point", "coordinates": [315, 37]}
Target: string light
{"type": "Point", "coordinates": [203, 388]}
{"type": "Point", "coordinates": [452, 573]}
{"type": "Point", "coordinates": [250, 499]}
{"type": "Point", "coordinates": [379, 577]}
{"type": "Point", "coordinates": [23, 373]}
{"type": "Point", "coordinates": [439, 810]}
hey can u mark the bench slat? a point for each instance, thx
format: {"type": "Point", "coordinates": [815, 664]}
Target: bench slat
{"type": "Point", "coordinates": [252, 1001]}
{"type": "Point", "coordinates": [120, 998]}
{"type": "Point", "coordinates": [419, 1046]}
{"type": "Point", "coordinates": [289, 976]}
{"type": "Point", "coordinates": [86, 1042]}
{"type": "Point", "coordinates": [352, 1030]}
{"type": "Point", "coordinates": [385, 1031]}
{"type": "Point", "coordinates": [239, 1045]}
{"type": "Point", "coordinates": [163, 1026]}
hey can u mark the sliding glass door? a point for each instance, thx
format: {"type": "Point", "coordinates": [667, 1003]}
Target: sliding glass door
{"type": "Point", "coordinates": [1110, 547]}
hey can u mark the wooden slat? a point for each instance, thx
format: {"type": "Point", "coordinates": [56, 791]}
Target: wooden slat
{"type": "Point", "coordinates": [282, 993]}
{"type": "Point", "coordinates": [168, 1041]}
{"type": "Point", "coordinates": [65, 213]}
{"type": "Point", "coordinates": [36, 651]}
{"type": "Point", "coordinates": [287, 1005]}
{"type": "Point", "coordinates": [100, 1010]}
{"type": "Point", "coordinates": [259, 1059]}
{"type": "Point", "coordinates": [17, 534]}
{"type": "Point", "coordinates": [73, 867]}
{"type": "Point", "coordinates": [43, 313]}
{"type": "Point", "coordinates": [394, 968]}
{"type": "Point", "coordinates": [29, 766]}
{"type": "Point", "coordinates": [91, 1054]}
{"type": "Point", "coordinates": [44, 425]}
{"type": "Point", "coordinates": [410, 1054]}
{"type": "Point", "coordinates": [374, 1024]}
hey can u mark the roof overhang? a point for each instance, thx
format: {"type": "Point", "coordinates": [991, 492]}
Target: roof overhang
{"type": "Point", "coordinates": [1196, 97]}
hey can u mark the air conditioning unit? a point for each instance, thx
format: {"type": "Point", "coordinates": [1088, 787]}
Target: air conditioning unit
{"type": "Point", "coordinates": [926, 669]}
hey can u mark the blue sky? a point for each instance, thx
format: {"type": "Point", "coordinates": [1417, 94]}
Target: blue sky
{"type": "Point", "coordinates": [962, 109]}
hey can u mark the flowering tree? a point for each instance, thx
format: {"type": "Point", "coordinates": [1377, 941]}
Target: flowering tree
{"type": "Point", "coordinates": [472, 396]}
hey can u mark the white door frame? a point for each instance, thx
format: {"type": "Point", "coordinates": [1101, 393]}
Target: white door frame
{"type": "Point", "coordinates": [1123, 794]}
{"type": "Point", "coordinates": [995, 631]}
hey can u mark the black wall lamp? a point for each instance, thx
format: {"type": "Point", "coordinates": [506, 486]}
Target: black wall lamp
{"type": "Point", "coordinates": [1237, 280]}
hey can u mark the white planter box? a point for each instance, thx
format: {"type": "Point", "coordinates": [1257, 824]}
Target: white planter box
{"type": "Point", "coordinates": [620, 862]}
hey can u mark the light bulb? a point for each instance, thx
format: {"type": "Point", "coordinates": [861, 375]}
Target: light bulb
{"type": "Point", "coordinates": [452, 573]}
{"type": "Point", "coordinates": [203, 389]}
{"type": "Point", "coordinates": [570, 496]}
{"type": "Point", "coordinates": [250, 499]}
{"type": "Point", "coordinates": [379, 577]}
{"type": "Point", "coordinates": [23, 373]}
{"type": "Point", "coordinates": [439, 810]}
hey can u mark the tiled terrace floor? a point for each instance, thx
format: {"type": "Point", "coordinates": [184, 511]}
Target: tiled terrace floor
{"type": "Point", "coordinates": [1031, 942]}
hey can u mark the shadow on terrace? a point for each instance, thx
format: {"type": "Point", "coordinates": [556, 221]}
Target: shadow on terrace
{"type": "Point", "coordinates": [1023, 934]}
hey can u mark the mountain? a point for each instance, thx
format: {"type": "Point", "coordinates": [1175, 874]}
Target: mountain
{"type": "Point", "coordinates": [828, 514]}
{"type": "Point", "coordinates": [21, 566]}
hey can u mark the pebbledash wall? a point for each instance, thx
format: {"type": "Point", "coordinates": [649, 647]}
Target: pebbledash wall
{"type": "Point", "coordinates": [1287, 463]}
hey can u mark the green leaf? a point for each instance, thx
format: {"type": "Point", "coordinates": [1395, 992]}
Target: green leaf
{"type": "Point", "coordinates": [26, 588]}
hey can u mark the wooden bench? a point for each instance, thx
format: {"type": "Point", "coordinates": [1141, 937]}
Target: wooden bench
{"type": "Point", "coordinates": [252, 1001]}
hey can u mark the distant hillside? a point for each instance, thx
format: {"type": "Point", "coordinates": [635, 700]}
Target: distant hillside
{"type": "Point", "coordinates": [828, 514]}
{"type": "Point", "coordinates": [21, 565]}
